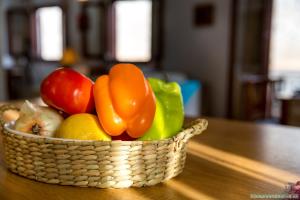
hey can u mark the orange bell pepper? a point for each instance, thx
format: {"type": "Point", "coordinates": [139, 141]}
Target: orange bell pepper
{"type": "Point", "coordinates": [124, 101]}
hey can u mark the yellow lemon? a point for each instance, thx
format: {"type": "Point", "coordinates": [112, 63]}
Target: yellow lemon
{"type": "Point", "coordinates": [82, 127]}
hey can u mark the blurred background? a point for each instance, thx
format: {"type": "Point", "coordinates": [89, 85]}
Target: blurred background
{"type": "Point", "coordinates": [237, 59]}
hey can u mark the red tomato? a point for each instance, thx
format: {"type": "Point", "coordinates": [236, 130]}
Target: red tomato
{"type": "Point", "coordinates": [68, 91]}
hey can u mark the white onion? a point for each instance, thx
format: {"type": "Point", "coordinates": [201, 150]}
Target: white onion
{"type": "Point", "coordinates": [38, 120]}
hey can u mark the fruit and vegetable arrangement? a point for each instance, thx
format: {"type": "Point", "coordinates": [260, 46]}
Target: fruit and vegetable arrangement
{"type": "Point", "coordinates": [93, 119]}
{"type": "Point", "coordinates": [122, 105]}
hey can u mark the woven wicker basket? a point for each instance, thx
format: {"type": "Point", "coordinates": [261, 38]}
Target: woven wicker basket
{"type": "Point", "coordinates": [113, 164]}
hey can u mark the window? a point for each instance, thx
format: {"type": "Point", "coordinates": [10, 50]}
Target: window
{"type": "Point", "coordinates": [49, 33]}
{"type": "Point", "coordinates": [284, 47]}
{"type": "Point", "coordinates": [133, 30]}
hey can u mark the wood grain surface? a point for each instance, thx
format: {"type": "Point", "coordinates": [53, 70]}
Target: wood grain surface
{"type": "Point", "coordinates": [231, 160]}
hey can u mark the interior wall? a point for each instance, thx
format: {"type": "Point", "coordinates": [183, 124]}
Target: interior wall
{"type": "Point", "coordinates": [201, 52]}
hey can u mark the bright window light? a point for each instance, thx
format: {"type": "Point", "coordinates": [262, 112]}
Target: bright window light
{"type": "Point", "coordinates": [133, 30]}
{"type": "Point", "coordinates": [284, 45]}
{"type": "Point", "coordinates": [285, 48]}
{"type": "Point", "coordinates": [50, 32]}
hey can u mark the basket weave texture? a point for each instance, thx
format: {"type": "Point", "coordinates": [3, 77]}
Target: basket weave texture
{"type": "Point", "coordinates": [103, 164]}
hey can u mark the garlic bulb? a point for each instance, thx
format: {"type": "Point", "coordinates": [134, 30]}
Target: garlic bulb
{"type": "Point", "coordinates": [38, 120]}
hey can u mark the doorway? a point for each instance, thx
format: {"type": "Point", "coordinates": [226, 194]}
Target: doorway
{"type": "Point", "coordinates": [265, 58]}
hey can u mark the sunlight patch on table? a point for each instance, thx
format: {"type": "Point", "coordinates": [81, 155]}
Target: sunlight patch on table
{"type": "Point", "coordinates": [186, 190]}
{"type": "Point", "coordinates": [243, 165]}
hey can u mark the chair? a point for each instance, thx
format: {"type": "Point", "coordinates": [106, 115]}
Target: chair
{"type": "Point", "coordinates": [259, 94]}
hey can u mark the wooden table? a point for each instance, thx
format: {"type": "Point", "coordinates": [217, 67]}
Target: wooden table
{"type": "Point", "coordinates": [231, 160]}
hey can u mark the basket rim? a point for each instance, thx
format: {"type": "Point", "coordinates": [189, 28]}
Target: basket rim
{"type": "Point", "coordinates": [8, 127]}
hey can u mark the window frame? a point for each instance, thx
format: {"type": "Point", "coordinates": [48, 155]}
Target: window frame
{"type": "Point", "coordinates": [9, 15]}
{"type": "Point", "coordinates": [83, 33]}
{"type": "Point", "coordinates": [35, 55]}
{"type": "Point", "coordinates": [156, 35]}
